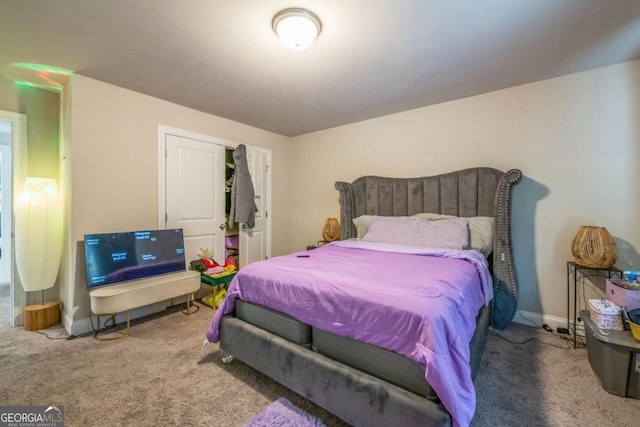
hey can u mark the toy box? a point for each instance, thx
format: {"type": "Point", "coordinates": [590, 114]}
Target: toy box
{"type": "Point", "coordinates": [619, 292]}
{"type": "Point", "coordinates": [606, 314]}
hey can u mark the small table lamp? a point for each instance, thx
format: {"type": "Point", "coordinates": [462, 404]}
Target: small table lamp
{"type": "Point", "coordinates": [331, 230]}
{"type": "Point", "coordinates": [38, 244]}
{"type": "Point", "coordinates": [594, 247]}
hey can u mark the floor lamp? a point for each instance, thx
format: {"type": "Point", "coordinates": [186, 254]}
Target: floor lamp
{"type": "Point", "coordinates": [38, 243]}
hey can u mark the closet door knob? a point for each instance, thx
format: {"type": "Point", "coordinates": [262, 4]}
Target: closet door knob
{"type": "Point", "coordinates": [221, 226]}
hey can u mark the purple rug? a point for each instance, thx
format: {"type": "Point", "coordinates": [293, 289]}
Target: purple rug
{"type": "Point", "coordinates": [283, 413]}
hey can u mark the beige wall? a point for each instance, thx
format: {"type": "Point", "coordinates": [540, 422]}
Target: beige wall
{"type": "Point", "coordinates": [42, 108]}
{"type": "Point", "coordinates": [575, 138]}
{"type": "Point", "coordinates": [43, 144]}
{"type": "Point", "coordinates": [114, 163]}
{"type": "Point", "coordinates": [42, 149]}
{"type": "Point", "coordinates": [9, 96]}
{"type": "Point", "coordinates": [43, 131]}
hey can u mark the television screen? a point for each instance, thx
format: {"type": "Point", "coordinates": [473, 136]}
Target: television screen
{"type": "Point", "coordinates": [118, 257]}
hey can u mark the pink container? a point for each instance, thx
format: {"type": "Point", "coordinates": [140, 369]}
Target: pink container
{"type": "Point", "coordinates": [617, 292]}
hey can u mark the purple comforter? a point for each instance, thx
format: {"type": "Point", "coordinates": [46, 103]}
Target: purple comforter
{"type": "Point", "coordinates": [419, 302]}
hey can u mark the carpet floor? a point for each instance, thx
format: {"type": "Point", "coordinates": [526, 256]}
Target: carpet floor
{"type": "Point", "coordinates": [159, 377]}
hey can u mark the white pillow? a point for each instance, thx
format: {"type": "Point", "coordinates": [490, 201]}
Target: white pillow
{"type": "Point", "coordinates": [445, 233]}
{"type": "Point", "coordinates": [362, 224]}
{"type": "Point", "coordinates": [480, 230]}
{"type": "Point", "coordinates": [481, 234]}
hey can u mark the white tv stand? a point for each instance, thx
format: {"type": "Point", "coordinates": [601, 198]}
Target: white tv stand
{"type": "Point", "coordinates": [110, 300]}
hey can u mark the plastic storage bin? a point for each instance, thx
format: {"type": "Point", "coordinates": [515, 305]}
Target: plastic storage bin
{"type": "Point", "coordinates": [614, 358]}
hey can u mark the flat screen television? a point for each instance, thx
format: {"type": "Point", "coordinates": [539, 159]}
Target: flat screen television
{"type": "Point", "coordinates": [113, 258]}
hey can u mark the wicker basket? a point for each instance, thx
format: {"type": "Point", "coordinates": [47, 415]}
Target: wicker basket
{"type": "Point", "coordinates": [331, 230]}
{"type": "Point", "coordinates": [594, 247]}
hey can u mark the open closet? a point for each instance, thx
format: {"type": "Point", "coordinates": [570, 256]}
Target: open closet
{"type": "Point", "coordinates": [232, 231]}
{"type": "Point", "coordinates": [195, 173]}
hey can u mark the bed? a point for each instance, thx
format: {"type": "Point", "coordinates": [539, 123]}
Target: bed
{"type": "Point", "coordinates": [377, 331]}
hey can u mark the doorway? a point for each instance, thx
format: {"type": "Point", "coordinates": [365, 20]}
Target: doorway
{"type": "Point", "coordinates": [5, 232]}
{"type": "Point", "coordinates": [12, 142]}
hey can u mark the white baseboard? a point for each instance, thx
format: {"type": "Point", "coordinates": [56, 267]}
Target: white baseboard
{"type": "Point", "coordinates": [537, 319]}
{"type": "Point", "coordinates": [83, 326]}
{"type": "Point", "coordinates": [77, 327]}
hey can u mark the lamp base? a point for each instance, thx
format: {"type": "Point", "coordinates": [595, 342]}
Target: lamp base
{"type": "Point", "coordinates": [41, 316]}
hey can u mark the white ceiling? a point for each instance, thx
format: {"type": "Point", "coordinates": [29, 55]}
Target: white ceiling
{"type": "Point", "coordinates": [374, 57]}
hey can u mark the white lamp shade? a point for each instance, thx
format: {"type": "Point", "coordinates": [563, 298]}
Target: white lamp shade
{"type": "Point", "coordinates": [38, 234]}
{"type": "Point", "coordinates": [297, 28]}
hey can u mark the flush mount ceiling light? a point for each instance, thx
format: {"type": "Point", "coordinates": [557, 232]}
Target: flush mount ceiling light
{"type": "Point", "coordinates": [296, 27]}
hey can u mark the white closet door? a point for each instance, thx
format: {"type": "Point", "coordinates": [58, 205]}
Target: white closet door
{"type": "Point", "coordinates": [195, 193]}
{"type": "Point", "coordinates": [254, 243]}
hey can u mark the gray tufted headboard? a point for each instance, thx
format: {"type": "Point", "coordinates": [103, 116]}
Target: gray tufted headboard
{"type": "Point", "coordinates": [465, 193]}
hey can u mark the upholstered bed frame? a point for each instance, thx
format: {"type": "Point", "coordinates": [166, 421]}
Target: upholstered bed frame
{"type": "Point", "coordinates": [465, 193]}
{"type": "Point", "coordinates": [353, 395]}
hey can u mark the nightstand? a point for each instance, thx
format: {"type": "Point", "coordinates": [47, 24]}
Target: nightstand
{"type": "Point", "coordinates": [579, 274]}
{"type": "Point", "coordinates": [317, 245]}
